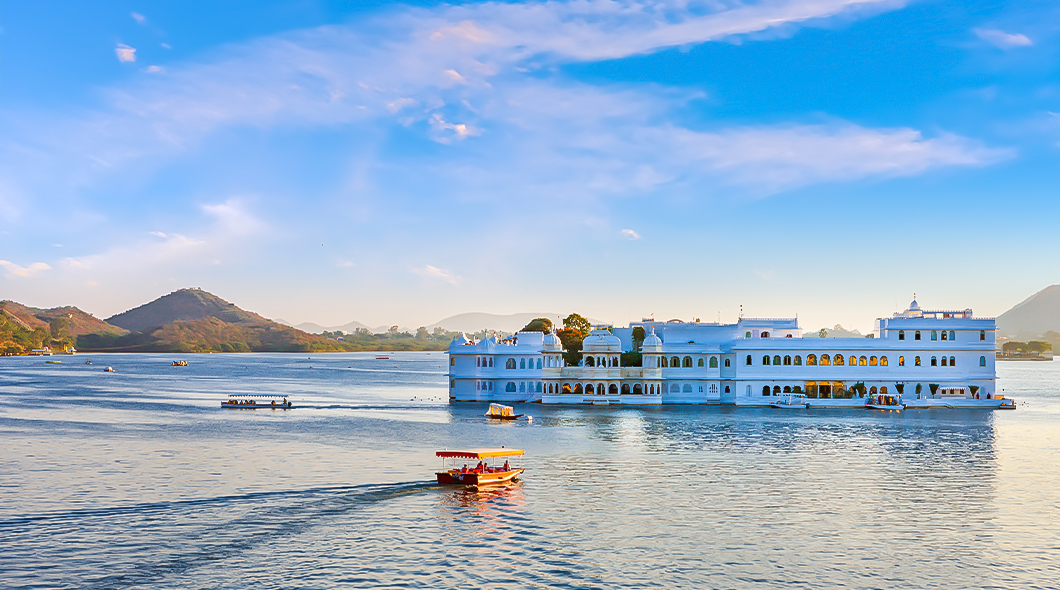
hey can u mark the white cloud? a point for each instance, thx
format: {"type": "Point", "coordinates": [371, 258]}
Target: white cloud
{"type": "Point", "coordinates": [629, 234]}
{"type": "Point", "coordinates": [13, 270]}
{"type": "Point", "coordinates": [1002, 39]}
{"type": "Point", "coordinates": [233, 218]}
{"type": "Point", "coordinates": [125, 53]}
{"type": "Point", "coordinates": [167, 46]}
{"type": "Point", "coordinates": [433, 272]}
{"type": "Point", "coordinates": [139, 17]}
{"type": "Point", "coordinates": [154, 69]}
{"type": "Point", "coordinates": [159, 234]}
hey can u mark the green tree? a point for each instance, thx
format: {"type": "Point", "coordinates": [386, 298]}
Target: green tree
{"type": "Point", "coordinates": [638, 337]}
{"type": "Point", "coordinates": [1013, 346]}
{"type": "Point", "coordinates": [421, 333]}
{"type": "Point", "coordinates": [934, 387]}
{"type": "Point", "coordinates": [60, 328]}
{"type": "Point", "coordinates": [919, 388]}
{"type": "Point", "coordinates": [822, 333]}
{"type": "Point", "coordinates": [539, 325]}
{"type": "Point", "coordinates": [1038, 346]}
{"type": "Point", "coordinates": [577, 323]}
{"type": "Point", "coordinates": [39, 337]}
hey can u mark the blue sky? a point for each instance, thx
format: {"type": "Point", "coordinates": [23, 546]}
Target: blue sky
{"type": "Point", "coordinates": [399, 163]}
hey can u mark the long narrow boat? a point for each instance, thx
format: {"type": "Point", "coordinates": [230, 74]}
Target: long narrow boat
{"type": "Point", "coordinates": [486, 473]}
{"type": "Point", "coordinates": [257, 402]}
{"type": "Point", "coordinates": [502, 412]}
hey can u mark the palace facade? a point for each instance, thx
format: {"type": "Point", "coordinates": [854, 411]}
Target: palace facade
{"type": "Point", "coordinates": [914, 354]}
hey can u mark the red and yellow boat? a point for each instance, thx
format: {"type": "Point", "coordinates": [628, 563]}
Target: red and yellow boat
{"type": "Point", "coordinates": [485, 473]}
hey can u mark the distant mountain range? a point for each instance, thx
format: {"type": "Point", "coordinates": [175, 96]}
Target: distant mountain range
{"type": "Point", "coordinates": [1036, 315]}
{"type": "Point", "coordinates": [464, 322]}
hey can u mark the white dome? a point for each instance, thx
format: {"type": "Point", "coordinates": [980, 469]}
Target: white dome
{"type": "Point", "coordinates": [652, 343]}
{"type": "Point", "coordinates": [601, 341]}
{"type": "Point", "coordinates": [552, 343]}
{"type": "Point", "coordinates": [914, 305]}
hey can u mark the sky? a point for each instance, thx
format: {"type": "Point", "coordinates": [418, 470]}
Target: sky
{"type": "Point", "coordinates": [325, 161]}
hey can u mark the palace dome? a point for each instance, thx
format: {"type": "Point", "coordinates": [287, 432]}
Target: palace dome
{"type": "Point", "coordinates": [652, 343]}
{"type": "Point", "coordinates": [552, 343]}
{"type": "Point", "coordinates": [601, 340]}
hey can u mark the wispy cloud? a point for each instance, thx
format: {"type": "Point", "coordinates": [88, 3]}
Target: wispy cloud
{"type": "Point", "coordinates": [433, 272]}
{"type": "Point", "coordinates": [154, 69]}
{"type": "Point", "coordinates": [125, 53]}
{"type": "Point", "coordinates": [13, 270]}
{"type": "Point", "coordinates": [1002, 39]}
{"type": "Point", "coordinates": [139, 18]}
{"type": "Point", "coordinates": [629, 234]}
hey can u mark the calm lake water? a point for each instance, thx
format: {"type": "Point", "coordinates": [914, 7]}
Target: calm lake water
{"type": "Point", "coordinates": [139, 479]}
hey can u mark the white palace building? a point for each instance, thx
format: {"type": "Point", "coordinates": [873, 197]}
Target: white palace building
{"type": "Point", "coordinates": [926, 358]}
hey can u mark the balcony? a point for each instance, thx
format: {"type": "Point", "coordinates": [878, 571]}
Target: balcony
{"type": "Point", "coordinates": [600, 373]}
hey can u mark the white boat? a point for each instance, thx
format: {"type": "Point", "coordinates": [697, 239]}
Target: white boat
{"type": "Point", "coordinates": [501, 412]}
{"type": "Point", "coordinates": [954, 398]}
{"type": "Point", "coordinates": [791, 401]}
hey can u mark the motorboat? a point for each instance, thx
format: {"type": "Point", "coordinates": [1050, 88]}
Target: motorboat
{"type": "Point", "coordinates": [486, 473]}
{"type": "Point", "coordinates": [502, 412]}
{"type": "Point", "coordinates": [179, 364]}
{"type": "Point", "coordinates": [265, 401]}
{"type": "Point", "coordinates": [891, 403]}
{"type": "Point", "coordinates": [109, 370]}
{"type": "Point", "coordinates": [53, 362]}
{"type": "Point", "coordinates": [791, 401]}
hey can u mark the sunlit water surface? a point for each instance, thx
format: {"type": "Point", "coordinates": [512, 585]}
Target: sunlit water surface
{"type": "Point", "coordinates": [139, 479]}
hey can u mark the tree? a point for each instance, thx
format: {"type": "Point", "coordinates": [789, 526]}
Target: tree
{"type": "Point", "coordinates": [638, 337]}
{"type": "Point", "coordinates": [393, 331]}
{"type": "Point", "coordinates": [973, 388]}
{"type": "Point", "coordinates": [539, 325]}
{"type": "Point", "coordinates": [1012, 346]}
{"type": "Point", "coordinates": [60, 328]}
{"type": "Point", "coordinates": [572, 344]}
{"type": "Point", "coordinates": [1038, 346]}
{"type": "Point", "coordinates": [919, 388]}
{"type": "Point", "coordinates": [577, 323]}
{"type": "Point", "coordinates": [934, 387]}
{"type": "Point", "coordinates": [900, 387]}
{"type": "Point", "coordinates": [421, 333]}
{"type": "Point", "coordinates": [822, 333]}
{"type": "Point", "coordinates": [39, 337]}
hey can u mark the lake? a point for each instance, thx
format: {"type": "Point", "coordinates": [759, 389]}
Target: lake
{"type": "Point", "coordinates": [139, 479]}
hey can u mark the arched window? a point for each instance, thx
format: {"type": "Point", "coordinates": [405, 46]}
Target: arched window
{"type": "Point", "coordinates": [776, 359]}
{"type": "Point", "coordinates": [825, 360]}
{"type": "Point", "coordinates": [478, 361]}
{"type": "Point", "coordinates": [566, 388]}
{"type": "Point", "coordinates": [953, 361]}
{"type": "Point", "coordinates": [687, 362]}
{"type": "Point", "coordinates": [727, 363]}
{"type": "Point", "coordinates": [982, 335]}
{"type": "Point", "coordinates": [873, 361]}
{"type": "Point", "coordinates": [747, 335]}
{"type": "Point", "coordinates": [613, 389]}
{"type": "Point", "coordinates": [916, 362]}
{"type": "Point", "coordinates": [883, 390]}
{"type": "Point", "coordinates": [522, 363]}
{"type": "Point", "coordinates": [675, 362]}
{"type": "Point", "coordinates": [663, 362]}
{"type": "Point", "coordinates": [765, 390]}
{"type": "Point", "coordinates": [982, 361]}
{"type": "Point", "coordinates": [625, 388]}
{"type": "Point", "coordinates": [538, 363]}
{"type": "Point", "coordinates": [934, 336]}
{"type": "Point", "coordinates": [637, 389]}
{"type": "Point", "coordinates": [578, 388]}
{"type": "Point", "coordinates": [699, 362]}
{"type": "Point", "coordinates": [945, 336]}
{"type": "Point", "coordinates": [901, 334]}
{"type": "Point", "coordinates": [934, 361]}
{"type": "Point", "coordinates": [787, 389]}
{"type": "Point", "coordinates": [862, 361]}
{"type": "Point", "coordinates": [787, 359]}
{"type": "Point", "coordinates": [839, 360]}
{"type": "Point", "coordinates": [748, 359]}
{"type": "Point", "coordinates": [872, 390]}
{"type": "Point", "coordinates": [687, 388]}
{"type": "Point", "coordinates": [675, 388]}
{"type": "Point", "coordinates": [944, 363]}
{"type": "Point", "coordinates": [590, 388]}
{"type": "Point", "coordinates": [765, 360]}
{"type": "Point", "coordinates": [798, 361]}
{"type": "Point", "coordinates": [776, 390]}
{"type": "Point", "coordinates": [452, 361]}
{"type": "Point", "coordinates": [901, 361]}
{"type": "Point", "coordinates": [953, 335]}
{"type": "Point", "coordinates": [590, 361]}
{"type": "Point", "coordinates": [510, 387]}
{"type": "Point", "coordinates": [452, 383]}
{"type": "Point", "coordinates": [537, 387]}
{"type": "Point", "coordinates": [765, 334]}
{"type": "Point", "coordinates": [883, 361]}
{"type": "Point", "coordinates": [916, 335]}
{"type": "Point", "coordinates": [491, 361]}
{"type": "Point", "coordinates": [727, 389]}
{"type": "Point", "coordinates": [713, 362]}
{"type": "Point", "coordinates": [522, 387]}
{"type": "Point", "coordinates": [811, 360]}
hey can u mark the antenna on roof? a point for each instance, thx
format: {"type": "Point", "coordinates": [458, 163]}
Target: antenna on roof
{"type": "Point", "coordinates": [741, 310]}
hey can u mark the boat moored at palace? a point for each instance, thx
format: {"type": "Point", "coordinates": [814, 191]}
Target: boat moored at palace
{"type": "Point", "coordinates": [943, 357]}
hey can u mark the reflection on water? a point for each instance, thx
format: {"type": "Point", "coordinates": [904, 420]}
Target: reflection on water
{"type": "Point", "coordinates": [139, 479]}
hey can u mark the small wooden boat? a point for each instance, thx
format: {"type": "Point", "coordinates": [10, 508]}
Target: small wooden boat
{"type": "Point", "coordinates": [382, 357]}
{"type": "Point", "coordinates": [88, 362]}
{"type": "Point", "coordinates": [179, 364]}
{"type": "Point", "coordinates": [483, 474]}
{"type": "Point", "coordinates": [500, 412]}
{"type": "Point", "coordinates": [109, 370]}
{"type": "Point", "coordinates": [53, 362]}
{"type": "Point", "coordinates": [257, 402]}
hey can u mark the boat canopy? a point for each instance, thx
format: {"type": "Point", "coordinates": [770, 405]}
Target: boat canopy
{"type": "Point", "coordinates": [481, 453]}
{"type": "Point", "coordinates": [499, 410]}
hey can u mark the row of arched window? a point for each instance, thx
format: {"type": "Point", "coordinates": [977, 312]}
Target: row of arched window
{"type": "Point", "coordinates": [602, 389]}
{"type": "Point", "coordinates": [935, 335]}
{"type": "Point", "coordinates": [861, 361]}
{"type": "Point", "coordinates": [675, 362]}
{"type": "Point", "coordinates": [511, 387]}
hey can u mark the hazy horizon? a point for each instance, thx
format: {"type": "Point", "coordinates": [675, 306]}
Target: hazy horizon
{"type": "Point", "coordinates": [403, 163]}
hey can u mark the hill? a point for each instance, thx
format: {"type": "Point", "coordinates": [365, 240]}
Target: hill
{"type": "Point", "coordinates": [1036, 315]}
{"type": "Point", "coordinates": [183, 305]}
{"type": "Point", "coordinates": [79, 321]}
{"type": "Point", "coordinates": [317, 328]}
{"type": "Point", "coordinates": [836, 332]}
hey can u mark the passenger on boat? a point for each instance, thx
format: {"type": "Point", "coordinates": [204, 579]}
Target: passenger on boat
{"type": "Point", "coordinates": [507, 467]}
{"type": "Point", "coordinates": [480, 468]}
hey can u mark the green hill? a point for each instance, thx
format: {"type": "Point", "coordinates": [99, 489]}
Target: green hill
{"type": "Point", "coordinates": [183, 305]}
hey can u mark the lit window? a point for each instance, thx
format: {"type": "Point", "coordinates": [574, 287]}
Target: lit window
{"type": "Point", "coordinates": [945, 335]}
{"type": "Point", "coordinates": [798, 361]}
{"type": "Point", "coordinates": [839, 360]}
{"type": "Point", "coordinates": [825, 360]}
{"type": "Point", "coordinates": [873, 361]}
{"type": "Point", "coordinates": [883, 361]}
{"type": "Point", "coordinates": [901, 361]}
{"type": "Point", "coordinates": [862, 361]}
{"type": "Point", "coordinates": [452, 361]}
{"type": "Point", "coordinates": [916, 362]}
{"type": "Point", "coordinates": [811, 360]}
